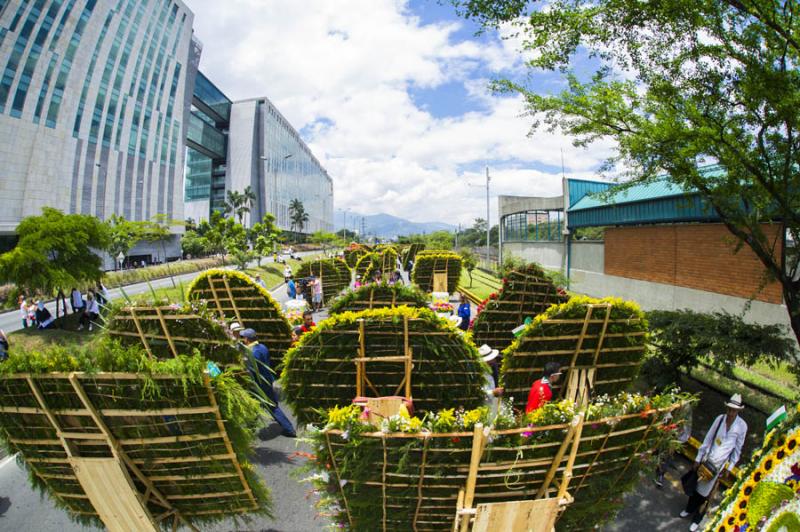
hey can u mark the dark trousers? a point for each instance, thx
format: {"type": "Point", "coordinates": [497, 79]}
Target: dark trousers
{"type": "Point", "coordinates": [86, 317]}
{"type": "Point", "coordinates": [696, 506]}
{"type": "Point", "coordinates": [275, 411]}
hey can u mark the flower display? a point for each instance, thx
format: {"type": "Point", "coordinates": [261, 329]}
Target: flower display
{"type": "Point", "coordinates": [441, 306]}
{"type": "Point", "coordinates": [766, 495]}
{"type": "Point", "coordinates": [353, 457]}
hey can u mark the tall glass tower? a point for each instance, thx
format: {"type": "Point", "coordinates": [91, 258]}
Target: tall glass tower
{"type": "Point", "coordinates": [94, 107]}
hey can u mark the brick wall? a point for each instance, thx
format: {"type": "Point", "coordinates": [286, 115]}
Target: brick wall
{"type": "Point", "coordinates": [700, 256]}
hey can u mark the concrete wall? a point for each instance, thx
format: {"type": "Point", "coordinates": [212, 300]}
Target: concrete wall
{"type": "Point", "coordinates": [652, 296]}
{"type": "Point", "coordinates": [547, 254]}
{"type": "Point", "coordinates": [587, 276]}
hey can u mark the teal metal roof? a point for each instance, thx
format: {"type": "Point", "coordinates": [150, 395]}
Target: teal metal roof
{"type": "Point", "coordinates": [579, 188]}
{"type": "Point", "coordinates": [657, 202]}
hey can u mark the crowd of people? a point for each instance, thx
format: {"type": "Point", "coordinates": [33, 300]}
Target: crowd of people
{"type": "Point", "coordinates": [35, 314]}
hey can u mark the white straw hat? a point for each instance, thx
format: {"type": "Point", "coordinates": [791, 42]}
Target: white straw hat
{"type": "Point", "coordinates": [488, 353]}
{"type": "Point", "coordinates": [735, 402]}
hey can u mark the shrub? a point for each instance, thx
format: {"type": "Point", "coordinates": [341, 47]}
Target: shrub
{"type": "Point", "coordinates": [682, 337]}
{"type": "Point", "coordinates": [149, 273]}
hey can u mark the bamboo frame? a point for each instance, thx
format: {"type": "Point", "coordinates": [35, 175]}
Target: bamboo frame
{"type": "Point", "coordinates": [434, 510]}
{"type": "Point", "coordinates": [361, 362]}
{"type": "Point", "coordinates": [149, 472]}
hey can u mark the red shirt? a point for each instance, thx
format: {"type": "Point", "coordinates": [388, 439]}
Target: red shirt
{"type": "Point", "coordinates": [540, 393]}
{"type": "Point", "coordinates": [305, 329]}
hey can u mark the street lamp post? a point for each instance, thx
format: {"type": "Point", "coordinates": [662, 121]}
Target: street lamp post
{"type": "Point", "coordinates": [488, 225]}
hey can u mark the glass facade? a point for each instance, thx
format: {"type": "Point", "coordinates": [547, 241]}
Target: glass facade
{"type": "Point", "coordinates": [97, 89]}
{"type": "Point", "coordinates": [291, 172]}
{"type": "Point", "coordinates": [207, 146]}
{"type": "Point", "coordinates": [547, 226]}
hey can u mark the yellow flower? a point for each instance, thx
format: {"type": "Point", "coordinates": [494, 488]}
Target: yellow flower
{"type": "Point", "coordinates": [404, 412]}
{"type": "Point", "coordinates": [473, 416]}
{"type": "Point", "coordinates": [415, 424]}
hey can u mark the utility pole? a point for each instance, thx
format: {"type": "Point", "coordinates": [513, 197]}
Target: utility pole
{"type": "Point", "coordinates": [488, 225]}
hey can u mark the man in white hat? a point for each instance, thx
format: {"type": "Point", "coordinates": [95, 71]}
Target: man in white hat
{"type": "Point", "coordinates": [721, 449]}
{"type": "Point", "coordinates": [235, 327]}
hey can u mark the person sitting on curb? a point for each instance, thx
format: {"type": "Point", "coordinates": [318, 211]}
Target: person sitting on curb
{"type": "Point", "coordinates": [265, 377]}
{"type": "Point", "coordinates": [43, 316]}
{"type": "Point", "coordinates": [542, 390]}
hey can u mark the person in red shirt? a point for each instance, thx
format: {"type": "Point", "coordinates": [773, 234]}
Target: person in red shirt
{"type": "Point", "coordinates": [308, 322]}
{"type": "Point", "coordinates": [542, 391]}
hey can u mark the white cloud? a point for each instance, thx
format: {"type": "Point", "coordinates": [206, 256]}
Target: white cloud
{"type": "Point", "coordinates": [346, 69]}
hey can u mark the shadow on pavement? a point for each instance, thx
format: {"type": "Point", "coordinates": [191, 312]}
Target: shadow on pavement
{"type": "Point", "coordinates": [5, 504]}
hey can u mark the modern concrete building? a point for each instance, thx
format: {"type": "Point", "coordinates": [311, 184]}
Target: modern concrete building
{"type": "Point", "coordinates": [93, 108]}
{"type": "Point", "coordinates": [102, 110]}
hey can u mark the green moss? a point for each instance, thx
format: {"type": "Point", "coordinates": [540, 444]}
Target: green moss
{"type": "Point", "coordinates": [378, 296]}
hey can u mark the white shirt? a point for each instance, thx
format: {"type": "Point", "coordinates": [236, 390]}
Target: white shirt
{"type": "Point", "coordinates": [77, 299]}
{"type": "Point", "coordinates": [93, 307]}
{"type": "Point", "coordinates": [726, 450]}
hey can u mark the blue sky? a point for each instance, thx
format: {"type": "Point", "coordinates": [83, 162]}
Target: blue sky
{"type": "Point", "coordinates": [392, 96]}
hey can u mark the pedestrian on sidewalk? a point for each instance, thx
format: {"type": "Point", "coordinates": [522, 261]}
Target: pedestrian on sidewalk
{"type": "Point", "coordinates": [721, 449]}
{"type": "Point", "coordinates": [23, 310]}
{"type": "Point", "coordinates": [265, 377]}
{"type": "Point", "coordinates": [287, 273]}
{"type": "Point", "coordinates": [260, 282]}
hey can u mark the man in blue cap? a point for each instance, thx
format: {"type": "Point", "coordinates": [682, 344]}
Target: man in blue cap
{"type": "Point", "coordinates": [267, 377]}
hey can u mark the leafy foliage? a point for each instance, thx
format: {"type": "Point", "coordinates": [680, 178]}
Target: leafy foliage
{"type": "Point", "coordinates": [383, 259]}
{"type": "Point", "coordinates": [526, 293]}
{"type": "Point", "coordinates": [682, 337]}
{"type": "Point", "coordinates": [432, 456]}
{"type": "Point", "coordinates": [253, 307]}
{"type": "Point", "coordinates": [263, 236]}
{"type": "Point", "coordinates": [702, 82]}
{"type": "Point", "coordinates": [334, 274]}
{"type": "Point", "coordinates": [55, 251]}
{"type": "Point", "coordinates": [169, 384]}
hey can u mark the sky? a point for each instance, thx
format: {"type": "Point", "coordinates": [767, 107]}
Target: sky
{"type": "Point", "coordinates": [392, 97]}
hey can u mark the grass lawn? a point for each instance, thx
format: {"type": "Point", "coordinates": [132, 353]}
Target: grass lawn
{"type": "Point", "coordinates": [31, 338]}
{"type": "Point", "coordinates": [483, 283]}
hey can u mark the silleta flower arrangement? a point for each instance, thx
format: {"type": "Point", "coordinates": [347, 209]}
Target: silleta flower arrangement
{"type": "Point", "coordinates": [405, 472]}
{"type": "Point", "coordinates": [767, 495]}
{"type": "Point", "coordinates": [441, 306]}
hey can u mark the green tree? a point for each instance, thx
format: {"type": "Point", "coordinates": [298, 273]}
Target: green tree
{"type": "Point", "coordinates": [439, 240]}
{"type": "Point", "coordinates": [248, 200]}
{"type": "Point", "coordinates": [263, 236]}
{"type": "Point", "coordinates": [194, 244]}
{"type": "Point", "coordinates": [705, 81]}
{"type": "Point", "coordinates": [55, 252]}
{"type": "Point", "coordinates": [324, 239]}
{"type": "Point", "coordinates": [469, 262]}
{"type": "Point", "coordinates": [298, 215]}
{"type": "Point", "coordinates": [122, 235]}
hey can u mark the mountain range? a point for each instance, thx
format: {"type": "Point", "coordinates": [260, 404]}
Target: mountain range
{"type": "Point", "coordinates": [387, 226]}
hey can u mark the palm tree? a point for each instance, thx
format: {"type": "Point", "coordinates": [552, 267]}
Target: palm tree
{"type": "Point", "coordinates": [248, 198]}
{"type": "Point", "coordinates": [298, 215]}
{"type": "Point", "coordinates": [233, 203]}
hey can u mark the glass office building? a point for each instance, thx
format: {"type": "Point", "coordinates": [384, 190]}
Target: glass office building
{"type": "Point", "coordinates": [103, 111]}
{"type": "Point", "coordinates": [267, 154]}
{"type": "Point", "coordinates": [93, 108]}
